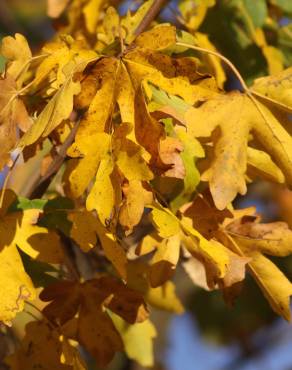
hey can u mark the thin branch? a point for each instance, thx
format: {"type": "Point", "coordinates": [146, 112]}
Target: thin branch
{"type": "Point", "coordinates": [6, 180]}
{"type": "Point", "coordinates": [38, 187]}
{"type": "Point", "coordinates": [220, 56]}
{"type": "Point", "coordinates": [245, 88]}
{"type": "Point", "coordinates": [69, 258]}
{"type": "Point", "coordinates": [152, 13]}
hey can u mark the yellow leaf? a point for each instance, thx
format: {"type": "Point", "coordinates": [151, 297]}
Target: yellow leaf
{"type": "Point", "coordinates": [164, 298]}
{"type": "Point", "coordinates": [111, 24]}
{"type": "Point", "coordinates": [83, 229]}
{"type": "Point", "coordinates": [170, 150]}
{"type": "Point", "coordinates": [18, 54]}
{"type": "Point", "coordinates": [58, 109]}
{"type": "Point", "coordinates": [56, 7]}
{"type": "Point", "coordinates": [275, 59]}
{"type": "Point", "coordinates": [164, 262]}
{"type": "Point", "coordinates": [86, 230]}
{"type": "Point", "coordinates": [158, 38]}
{"type": "Point", "coordinates": [260, 164]}
{"type": "Point", "coordinates": [125, 95]}
{"type": "Point", "coordinates": [194, 12]}
{"type": "Point", "coordinates": [114, 252]}
{"type": "Point", "coordinates": [236, 116]}
{"type": "Point", "coordinates": [102, 194]}
{"type": "Point", "coordinates": [276, 88]}
{"type": "Point", "coordinates": [137, 339]}
{"type": "Point", "coordinates": [16, 286]}
{"type": "Point", "coordinates": [226, 175]}
{"type": "Point", "coordinates": [120, 82]}
{"type": "Point", "coordinates": [89, 156]}
{"type": "Point", "coordinates": [211, 251]}
{"type": "Point", "coordinates": [132, 208]}
{"type": "Point", "coordinates": [129, 157]}
{"type": "Point", "coordinates": [102, 104]}
{"type": "Point", "coordinates": [38, 242]}
{"type": "Point", "coordinates": [145, 65]}
{"type": "Point", "coordinates": [131, 22]}
{"type": "Point", "coordinates": [253, 239]}
{"type": "Point", "coordinates": [165, 259]}
{"type": "Point", "coordinates": [62, 58]}
{"type": "Point", "coordinates": [273, 283]}
{"type": "Point", "coordinates": [91, 14]}
{"type": "Point", "coordinates": [165, 222]}
{"type": "Point", "coordinates": [18, 229]}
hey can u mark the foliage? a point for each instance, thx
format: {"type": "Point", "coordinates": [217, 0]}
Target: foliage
{"type": "Point", "coordinates": [131, 155]}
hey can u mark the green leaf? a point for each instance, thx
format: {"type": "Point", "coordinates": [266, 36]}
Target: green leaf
{"type": "Point", "coordinates": [58, 203]}
{"type": "Point", "coordinates": [40, 272]}
{"type": "Point", "coordinates": [161, 98]}
{"type": "Point", "coordinates": [257, 11]}
{"type": "Point", "coordinates": [285, 5]}
{"type": "Point", "coordinates": [22, 204]}
{"type": "Point", "coordinates": [192, 151]}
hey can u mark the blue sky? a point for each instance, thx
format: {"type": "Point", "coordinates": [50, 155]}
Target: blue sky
{"type": "Point", "coordinates": [187, 350]}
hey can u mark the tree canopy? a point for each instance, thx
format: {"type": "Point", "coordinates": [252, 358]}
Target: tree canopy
{"type": "Point", "coordinates": [126, 140]}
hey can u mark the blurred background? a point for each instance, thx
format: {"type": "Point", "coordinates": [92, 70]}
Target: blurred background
{"type": "Point", "coordinates": [209, 336]}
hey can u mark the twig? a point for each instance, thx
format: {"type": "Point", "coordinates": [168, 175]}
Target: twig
{"type": "Point", "coordinates": [220, 56]}
{"type": "Point", "coordinates": [150, 16]}
{"type": "Point", "coordinates": [6, 180]}
{"type": "Point", "coordinates": [69, 258]}
{"type": "Point", "coordinates": [38, 187]}
{"type": "Point", "coordinates": [245, 88]}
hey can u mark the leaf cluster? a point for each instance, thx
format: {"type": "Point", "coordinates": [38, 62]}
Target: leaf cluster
{"type": "Point", "coordinates": [129, 155]}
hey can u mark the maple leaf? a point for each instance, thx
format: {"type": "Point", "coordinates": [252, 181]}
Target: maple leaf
{"type": "Point", "coordinates": [56, 111]}
{"type": "Point", "coordinates": [70, 58]}
{"type": "Point", "coordinates": [95, 330]}
{"type": "Point", "coordinates": [276, 89]}
{"type": "Point", "coordinates": [222, 266]}
{"type": "Point", "coordinates": [129, 140]}
{"type": "Point", "coordinates": [41, 348]}
{"type": "Point", "coordinates": [136, 197]}
{"type": "Point", "coordinates": [143, 125]}
{"type": "Point", "coordinates": [86, 230]}
{"type": "Point", "coordinates": [247, 237]}
{"type": "Point", "coordinates": [237, 116]}
{"type": "Point", "coordinates": [21, 230]}
{"type": "Point", "coordinates": [18, 54]}
{"type": "Point", "coordinates": [18, 229]}
{"type": "Point", "coordinates": [16, 286]}
{"type": "Point", "coordinates": [165, 259]}
{"type": "Point", "coordinates": [62, 58]}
